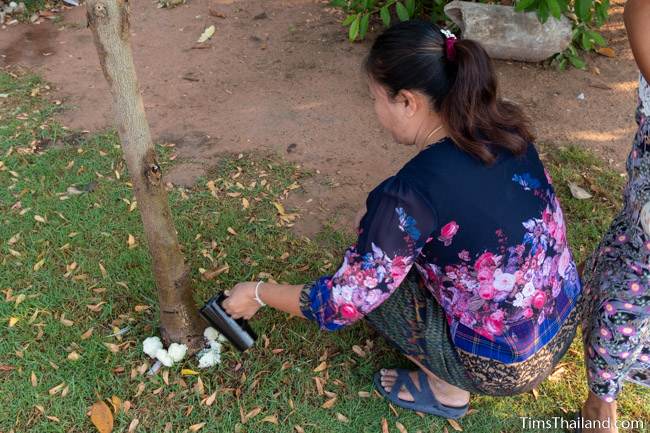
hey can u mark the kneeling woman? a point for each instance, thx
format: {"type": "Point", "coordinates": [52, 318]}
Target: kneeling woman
{"type": "Point", "coordinates": [462, 259]}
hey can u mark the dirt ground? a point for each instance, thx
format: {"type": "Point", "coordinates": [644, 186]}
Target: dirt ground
{"type": "Point", "coordinates": [279, 75]}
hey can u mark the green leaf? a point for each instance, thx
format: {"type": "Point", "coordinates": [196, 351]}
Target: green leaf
{"type": "Point", "coordinates": [363, 27]}
{"type": "Point", "coordinates": [586, 42]}
{"type": "Point", "coordinates": [338, 3]}
{"type": "Point", "coordinates": [577, 62]}
{"type": "Point", "coordinates": [523, 5]}
{"type": "Point", "coordinates": [602, 12]}
{"type": "Point", "coordinates": [597, 38]}
{"type": "Point", "coordinates": [554, 8]}
{"type": "Point", "coordinates": [385, 15]}
{"type": "Point", "coordinates": [348, 20]}
{"type": "Point", "coordinates": [354, 29]}
{"type": "Point", "coordinates": [562, 64]}
{"type": "Point", "coordinates": [543, 12]}
{"type": "Point", "coordinates": [410, 7]}
{"type": "Point", "coordinates": [402, 13]}
{"type": "Point", "coordinates": [583, 9]}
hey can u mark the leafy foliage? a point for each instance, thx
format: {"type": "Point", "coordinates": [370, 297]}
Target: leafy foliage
{"type": "Point", "coordinates": [587, 16]}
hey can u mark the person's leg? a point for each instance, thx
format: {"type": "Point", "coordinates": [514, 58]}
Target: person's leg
{"type": "Point", "coordinates": [412, 321]}
{"type": "Point", "coordinates": [445, 393]}
{"type": "Point", "coordinates": [615, 341]}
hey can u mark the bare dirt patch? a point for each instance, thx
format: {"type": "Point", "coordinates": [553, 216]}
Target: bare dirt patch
{"type": "Point", "coordinates": [280, 76]}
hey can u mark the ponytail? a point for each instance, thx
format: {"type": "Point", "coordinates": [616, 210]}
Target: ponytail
{"type": "Point", "coordinates": [475, 117]}
{"type": "Point", "coordinates": [462, 86]}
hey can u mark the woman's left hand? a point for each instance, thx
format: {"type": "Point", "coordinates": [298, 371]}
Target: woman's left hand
{"type": "Point", "coordinates": [240, 302]}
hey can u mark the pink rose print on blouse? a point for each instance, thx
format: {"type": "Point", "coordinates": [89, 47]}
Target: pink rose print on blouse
{"type": "Point", "coordinates": [448, 232]}
{"type": "Point", "coordinates": [349, 312]}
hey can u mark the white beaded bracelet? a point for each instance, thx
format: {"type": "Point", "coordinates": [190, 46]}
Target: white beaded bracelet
{"type": "Point", "coordinates": [257, 294]}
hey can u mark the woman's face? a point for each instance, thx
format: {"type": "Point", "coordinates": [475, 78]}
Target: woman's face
{"type": "Point", "coordinates": [388, 110]}
{"type": "Point", "coordinates": [401, 115]}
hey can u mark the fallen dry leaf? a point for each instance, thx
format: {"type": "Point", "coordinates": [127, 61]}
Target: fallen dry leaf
{"type": "Point", "coordinates": [207, 34]}
{"type": "Point", "coordinates": [329, 403]}
{"type": "Point", "coordinates": [557, 374]}
{"type": "Point", "coordinates": [454, 424]}
{"type": "Point", "coordinates": [359, 351]}
{"type": "Point", "coordinates": [96, 308]}
{"type": "Point", "coordinates": [199, 387]}
{"type": "Point", "coordinates": [131, 242]}
{"type": "Point", "coordinates": [384, 426]}
{"type": "Point", "coordinates": [112, 347]}
{"type": "Point", "coordinates": [364, 394]}
{"type": "Point", "coordinates": [52, 418]}
{"type": "Point", "coordinates": [340, 417]}
{"type": "Point", "coordinates": [102, 269]}
{"type": "Point", "coordinates": [606, 51]}
{"type": "Point", "coordinates": [273, 419]}
{"type": "Point", "coordinates": [319, 385]}
{"type": "Point", "coordinates": [133, 425]}
{"type": "Point", "coordinates": [579, 192]}
{"type": "Point", "coordinates": [400, 427]}
{"type": "Point", "coordinates": [86, 335]}
{"type": "Point", "coordinates": [56, 389]}
{"type": "Point", "coordinates": [211, 274]}
{"type": "Point", "coordinates": [38, 265]}
{"type": "Point", "coordinates": [196, 427]}
{"type": "Point", "coordinates": [209, 401]}
{"type": "Point", "coordinates": [188, 372]}
{"type": "Point", "coordinates": [15, 238]}
{"type": "Point", "coordinates": [298, 429]}
{"type": "Point", "coordinates": [535, 393]}
{"type": "Point", "coordinates": [252, 414]}
{"type": "Point", "coordinates": [73, 356]}
{"type": "Point", "coordinates": [322, 366]}
{"type": "Point", "coordinates": [231, 231]}
{"type": "Point", "coordinates": [101, 417]}
{"type": "Point", "coordinates": [33, 380]}
{"type": "Point", "coordinates": [13, 321]}
{"type": "Point", "coordinates": [65, 322]}
{"type": "Point", "coordinates": [280, 208]}
{"type": "Point", "coordinates": [141, 308]}
{"type": "Point", "coordinates": [117, 403]}
{"type": "Point", "coordinates": [65, 391]}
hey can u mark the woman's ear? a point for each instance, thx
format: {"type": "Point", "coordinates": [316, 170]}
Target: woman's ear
{"type": "Point", "coordinates": [410, 100]}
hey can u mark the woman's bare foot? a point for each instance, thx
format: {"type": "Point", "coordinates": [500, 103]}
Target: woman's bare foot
{"type": "Point", "coordinates": [596, 409]}
{"type": "Point", "coordinates": [445, 393]}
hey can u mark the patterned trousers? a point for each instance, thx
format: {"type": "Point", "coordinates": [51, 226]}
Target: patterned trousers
{"type": "Point", "coordinates": [617, 283]}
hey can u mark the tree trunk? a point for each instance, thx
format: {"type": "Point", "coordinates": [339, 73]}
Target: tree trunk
{"type": "Point", "coordinates": [179, 319]}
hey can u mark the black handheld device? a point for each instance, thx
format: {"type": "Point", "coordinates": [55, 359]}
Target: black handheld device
{"type": "Point", "coordinates": [238, 332]}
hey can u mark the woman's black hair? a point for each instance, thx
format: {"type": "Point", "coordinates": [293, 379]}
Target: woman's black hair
{"type": "Point", "coordinates": [462, 86]}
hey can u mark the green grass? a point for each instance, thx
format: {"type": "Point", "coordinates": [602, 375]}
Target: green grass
{"type": "Point", "coordinates": [92, 228]}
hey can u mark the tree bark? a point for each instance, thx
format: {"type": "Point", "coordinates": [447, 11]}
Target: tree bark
{"type": "Point", "coordinates": [179, 318]}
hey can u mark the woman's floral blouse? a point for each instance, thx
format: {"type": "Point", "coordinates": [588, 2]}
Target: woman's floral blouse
{"type": "Point", "coordinates": [488, 241]}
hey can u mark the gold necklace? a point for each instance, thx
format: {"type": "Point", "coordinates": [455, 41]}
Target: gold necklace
{"type": "Point", "coordinates": [432, 133]}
